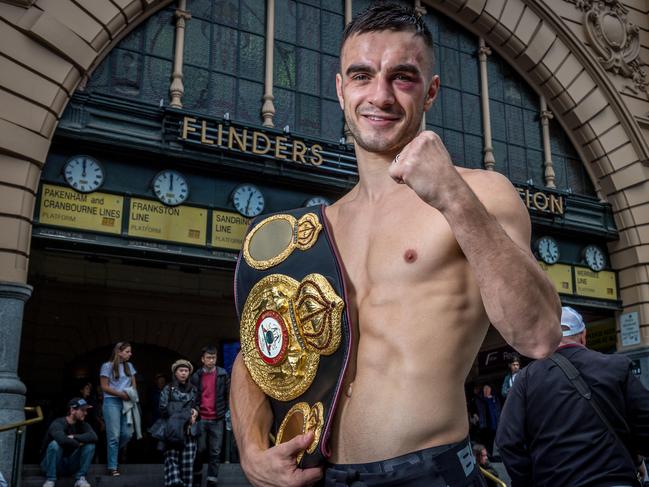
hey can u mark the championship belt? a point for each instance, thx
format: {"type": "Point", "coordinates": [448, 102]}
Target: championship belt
{"type": "Point", "coordinates": [295, 333]}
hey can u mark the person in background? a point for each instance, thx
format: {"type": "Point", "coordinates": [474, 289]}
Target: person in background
{"type": "Point", "coordinates": [177, 401]}
{"type": "Point", "coordinates": [69, 445]}
{"type": "Point", "coordinates": [94, 417]}
{"type": "Point", "coordinates": [212, 392]}
{"type": "Point", "coordinates": [489, 414]}
{"type": "Point", "coordinates": [115, 377]}
{"type": "Point", "coordinates": [550, 435]}
{"type": "Point", "coordinates": [482, 457]}
{"type": "Point", "coordinates": [514, 365]}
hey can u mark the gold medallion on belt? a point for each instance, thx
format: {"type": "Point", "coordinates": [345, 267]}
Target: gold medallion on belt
{"type": "Point", "coordinates": [286, 326]}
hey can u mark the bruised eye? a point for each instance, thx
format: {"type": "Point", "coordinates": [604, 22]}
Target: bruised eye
{"type": "Point", "coordinates": [403, 77]}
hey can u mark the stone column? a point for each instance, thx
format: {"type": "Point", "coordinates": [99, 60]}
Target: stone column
{"type": "Point", "coordinates": [421, 11]}
{"type": "Point", "coordinates": [489, 161]}
{"type": "Point", "coordinates": [177, 88]}
{"type": "Point", "coordinates": [268, 107]}
{"type": "Point", "coordinates": [13, 296]}
{"type": "Point", "coordinates": [546, 116]}
{"type": "Point", "coordinates": [349, 138]}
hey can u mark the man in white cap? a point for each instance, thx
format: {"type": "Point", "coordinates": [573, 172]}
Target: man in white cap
{"type": "Point", "coordinates": [550, 433]}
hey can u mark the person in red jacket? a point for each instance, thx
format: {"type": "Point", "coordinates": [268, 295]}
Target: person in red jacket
{"type": "Point", "coordinates": [213, 386]}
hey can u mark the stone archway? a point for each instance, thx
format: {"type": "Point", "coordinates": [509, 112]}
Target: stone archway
{"type": "Point", "coordinates": [595, 108]}
{"type": "Point", "coordinates": [48, 47]}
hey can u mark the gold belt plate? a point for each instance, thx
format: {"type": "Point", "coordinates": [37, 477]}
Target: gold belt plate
{"type": "Point", "coordinates": [286, 326]}
{"type": "Point", "coordinates": [273, 239]}
{"type": "Point", "coordinates": [300, 419]}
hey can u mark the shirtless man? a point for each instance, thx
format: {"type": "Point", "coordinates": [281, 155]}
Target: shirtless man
{"type": "Point", "coordinates": [433, 253]}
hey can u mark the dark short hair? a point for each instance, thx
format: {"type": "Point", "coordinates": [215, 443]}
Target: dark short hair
{"type": "Point", "coordinates": [514, 357]}
{"type": "Point", "coordinates": [389, 16]}
{"type": "Point", "coordinates": [211, 349]}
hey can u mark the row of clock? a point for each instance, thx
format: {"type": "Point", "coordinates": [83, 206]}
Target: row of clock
{"type": "Point", "coordinates": [547, 249]}
{"type": "Point", "coordinates": [86, 174]}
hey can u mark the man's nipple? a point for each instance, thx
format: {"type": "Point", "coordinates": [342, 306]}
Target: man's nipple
{"type": "Point", "coordinates": [410, 256]}
{"type": "Point", "coordinates": [349, 389]}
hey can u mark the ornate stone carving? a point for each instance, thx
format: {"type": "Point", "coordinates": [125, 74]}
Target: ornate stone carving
{"type": "Point", "coordinates": [615, 40]}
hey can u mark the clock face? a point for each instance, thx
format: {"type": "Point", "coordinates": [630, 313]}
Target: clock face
{"type": "Point", "coordinates": [317, 201]}
{"type": "Point", "coordinates": [170, 187]}
{"type": "Point", "coordinates": [83, 173]}
{"type": "Point", "coordinates": [595, 257]}
{"type": "Point", "coordinates": [548, 250]}
{"type": "Point", "coordinates": [248, 200]}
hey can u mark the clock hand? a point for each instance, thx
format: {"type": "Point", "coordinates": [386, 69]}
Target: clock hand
{"type": "Point", "coordinates": [171, 182]}
{"type": "Point", "coordinates": [248, 203]}
{"type": "Point", "coordinates": [83, 165]}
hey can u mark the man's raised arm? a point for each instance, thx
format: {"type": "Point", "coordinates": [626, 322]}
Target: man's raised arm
{"type": "Point", "coordinates": [251, 421]}
{"type": "Point", "coordinates": [492, 227]}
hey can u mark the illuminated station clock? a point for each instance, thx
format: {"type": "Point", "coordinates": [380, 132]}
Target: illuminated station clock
{"type": "Point", "coordinates": [171, 187]}
{"type": "Point", "coordinates": [248, 200]}
{"type": "Point", "coordinates": [547, 249]}
{"type": "Point", "coordinates": [317, 201]}
{"type": "Point", "coordinates": [594, 257]}
{"type": "Point", "coordinates": [83, 173]}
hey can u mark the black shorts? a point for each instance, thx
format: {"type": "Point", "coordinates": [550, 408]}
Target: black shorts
{"type": "Point", "coordinates": [441, 466]}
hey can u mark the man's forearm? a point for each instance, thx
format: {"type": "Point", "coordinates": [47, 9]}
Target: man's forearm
{"type": "Point", "coordinates": [519, 299]}
{"type": "Point", "coordinates": [251, 413]}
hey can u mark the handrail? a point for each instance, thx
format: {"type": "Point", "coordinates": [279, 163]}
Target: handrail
{"type": "Point", "coordinates": [26, 422]}
{"type": "Point", "coordinates": [19, 442]}
{"type": "Point", "coordinates": [493, 478]}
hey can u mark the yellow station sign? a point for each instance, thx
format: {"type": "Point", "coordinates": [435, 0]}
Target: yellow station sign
{"type": "Point", "coordinates": [228, 229]}
{"type": "Point", "coordinates": [65, 207]}
{"type": "Point", "coordinates": [560, 275]}
{"type": "Point", "coordinates": [592, 284]}
{"type": "Point", "coordinates": [182, 224]}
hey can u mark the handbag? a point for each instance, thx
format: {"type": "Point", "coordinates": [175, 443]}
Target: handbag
{"type": "Point", "coordinates": [158, 429]}
{"type": "Point", "coordinates": [578, 382]}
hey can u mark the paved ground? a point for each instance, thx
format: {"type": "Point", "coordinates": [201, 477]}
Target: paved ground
{"type": "Point", "coordinates": [144, 475]}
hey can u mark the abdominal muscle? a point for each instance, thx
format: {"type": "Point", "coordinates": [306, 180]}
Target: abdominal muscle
{"type": "Point", "coordinates": [406, 390]}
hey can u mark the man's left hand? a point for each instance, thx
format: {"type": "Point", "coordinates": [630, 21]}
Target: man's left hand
{"type": "Point", "coordinates": [425, 166]}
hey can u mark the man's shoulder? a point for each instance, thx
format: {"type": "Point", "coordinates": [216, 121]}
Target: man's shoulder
{"type": "Point", "coordinates": [57, 423]}
{"type": "Point", "coordinates": [598, 360]}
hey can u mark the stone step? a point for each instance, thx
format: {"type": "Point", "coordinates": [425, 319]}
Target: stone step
{"type": "Point", "coordinates": [133, 475]}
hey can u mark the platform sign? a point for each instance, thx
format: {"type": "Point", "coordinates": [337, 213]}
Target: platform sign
{"type": "Point", "coordinates": [228, 229]}
{"type": "Point", "coordinates": [181, 224]}
{"type": "Point", "coordinates": [65, 207]}
{"type": "Point", "coordinates": [560, 275]}
{"type": "Point", "coordinates": [592, 284]}
{"type": "Point", "coordinates": [630, 329]}
{"type": "Point", "coordinates": [602, 335]}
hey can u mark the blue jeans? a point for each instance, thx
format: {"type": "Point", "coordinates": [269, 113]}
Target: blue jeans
{"type": "Point", "coordinates": [77, 463]}
{"type": "Point", "coordinates": [117, 430]}
{"type": "Point", "coordinates": [211, 440]}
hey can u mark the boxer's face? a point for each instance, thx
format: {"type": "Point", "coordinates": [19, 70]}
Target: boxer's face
{"type": "Point", "coordinates": [384, 87]}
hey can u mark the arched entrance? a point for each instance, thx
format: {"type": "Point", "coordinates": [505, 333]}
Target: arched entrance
{"type": "Point", "coordinates": [47, 52]}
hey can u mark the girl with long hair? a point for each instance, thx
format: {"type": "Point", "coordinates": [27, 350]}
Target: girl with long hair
{"type": "Point", "coordinates": [116, 376]}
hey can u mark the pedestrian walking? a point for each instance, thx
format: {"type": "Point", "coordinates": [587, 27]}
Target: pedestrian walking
{"type": "Point", "coordinates": [212, 391]}
{"type": "Point", "coordinates": [177, 401]}
{"type": "Point", "coordinates": [116, 376]}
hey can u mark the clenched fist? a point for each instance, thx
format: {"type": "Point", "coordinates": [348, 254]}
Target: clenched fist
{"type": "Point", "coordinates": [426, 167]}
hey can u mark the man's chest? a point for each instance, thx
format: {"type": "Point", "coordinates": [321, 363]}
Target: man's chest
{"type": "Point", "coordinates": [399, 249]}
